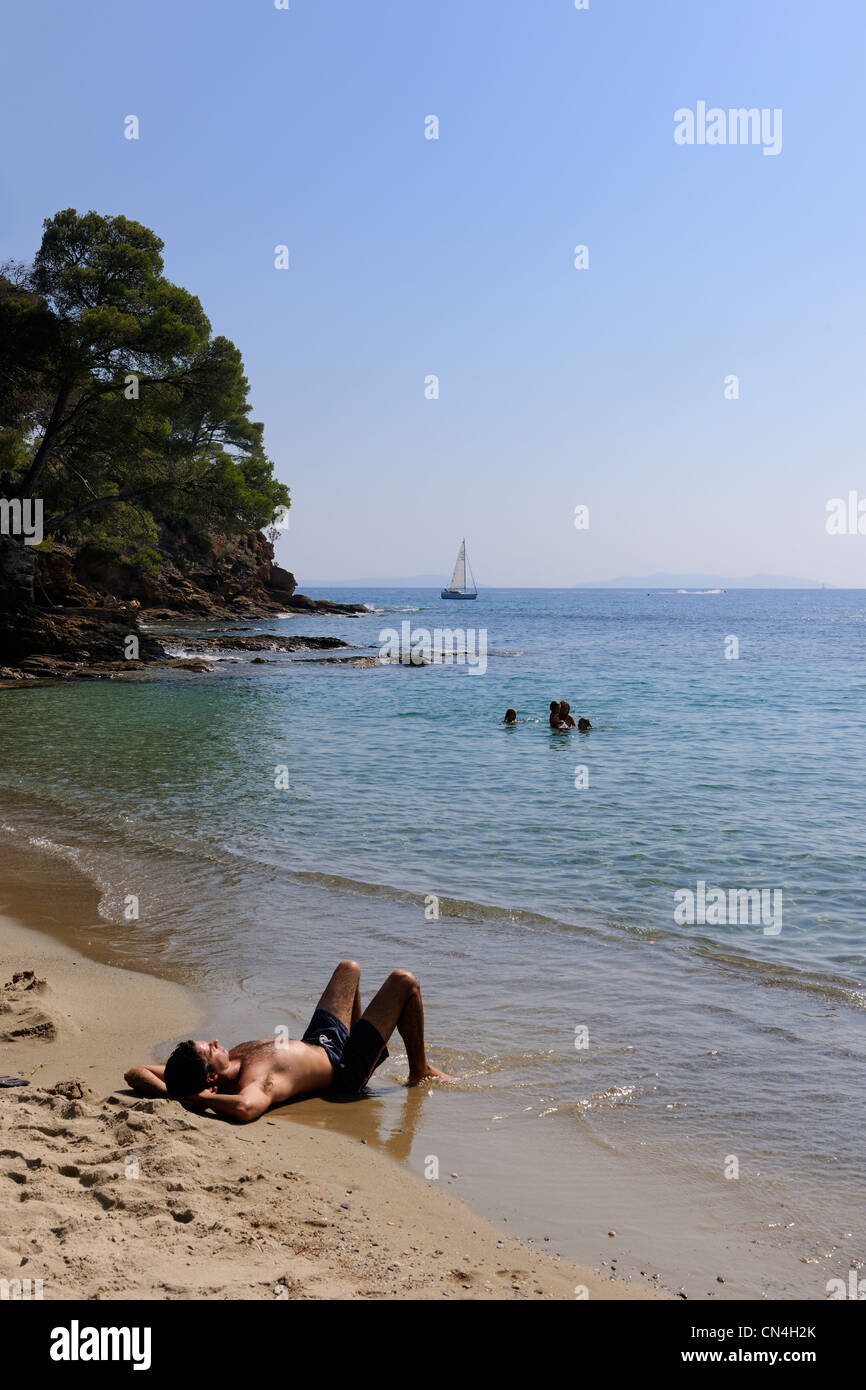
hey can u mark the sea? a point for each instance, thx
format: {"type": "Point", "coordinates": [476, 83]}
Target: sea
{"type": "Point", "coordinates": [642, 948]}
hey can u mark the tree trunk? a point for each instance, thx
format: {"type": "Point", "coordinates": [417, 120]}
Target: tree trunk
{"type": "Point", "coordinates": [52, 429]}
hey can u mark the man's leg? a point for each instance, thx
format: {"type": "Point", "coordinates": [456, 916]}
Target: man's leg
{"type": "Point", "coordinates": [398, 1005]}
{"type": "Point", "coordinates": [356, 1002]}
{"type": "Point", "coordinates": [342, 997]}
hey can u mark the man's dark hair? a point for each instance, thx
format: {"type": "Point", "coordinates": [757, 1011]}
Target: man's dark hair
{"type": "Point", "coordinates": [185, 1072]}
{"type": "Point", "coordinates": [554, 704]}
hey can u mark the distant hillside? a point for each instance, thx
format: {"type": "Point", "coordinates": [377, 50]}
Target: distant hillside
{"type": "Point", "coordinates": [703, 581]}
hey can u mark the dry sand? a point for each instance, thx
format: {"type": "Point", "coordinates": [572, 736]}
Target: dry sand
{"type": "Point", "coordinates": [105, 1195]}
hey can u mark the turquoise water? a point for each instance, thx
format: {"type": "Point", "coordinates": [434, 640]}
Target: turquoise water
{"type": "Point", "coordinates": [554, 861]}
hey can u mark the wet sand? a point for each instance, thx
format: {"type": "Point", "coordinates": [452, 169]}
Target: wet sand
{"type": "Point", "coordinates": [106, 1195]}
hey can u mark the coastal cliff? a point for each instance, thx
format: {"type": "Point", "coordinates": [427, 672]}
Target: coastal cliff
{"type": "Point", "coordinates": [190, 575]}
{"type": "Point", "coordinates": [133, 479]}
{"type": "Point", "coordinates": [65, 609]}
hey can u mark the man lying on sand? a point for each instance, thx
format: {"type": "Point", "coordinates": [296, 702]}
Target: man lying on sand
{"type": "Point", "coordinates": [339, 1052]}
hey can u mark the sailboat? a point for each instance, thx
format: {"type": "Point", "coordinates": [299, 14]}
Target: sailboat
{"type": "Point", "coordinates": [458, 588]}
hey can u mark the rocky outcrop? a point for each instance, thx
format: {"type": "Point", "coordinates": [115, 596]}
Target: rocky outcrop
{"type": "Point", "coordinates": [212, 577]}
{"type": "Point", "coordinates": [76, 610]}
{"type": "Point", "coordinates": [16, 574]}
{"type": "Point", "coordinates": [34, 642]}
{"type": "Point", "coordinates": [258, 642]}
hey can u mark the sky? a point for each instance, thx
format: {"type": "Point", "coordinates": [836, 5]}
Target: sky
{"type": "Point", "coordinates": [409, 258]}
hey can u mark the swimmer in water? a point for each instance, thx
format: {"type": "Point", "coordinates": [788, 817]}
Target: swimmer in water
{"type": "Point", "coordinates": [556, 722]}
{"type": "Point", "coordinates": [583, 725]}
{"type": "Point", "coordinates": [565, 714]}
{"type": "Point", "coordinates": [510, 716]}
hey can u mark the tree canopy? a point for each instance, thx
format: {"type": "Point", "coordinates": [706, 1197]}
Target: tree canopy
{"type": "Point", "coordinates": [118, 407]}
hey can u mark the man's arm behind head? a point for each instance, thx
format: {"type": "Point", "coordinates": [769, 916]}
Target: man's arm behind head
{"type": "Point", "coordinates": [246, 1106]}
{"type": "Point", "coordinates": [147, 1080]}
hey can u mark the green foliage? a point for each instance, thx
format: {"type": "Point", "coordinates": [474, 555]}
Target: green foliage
{"type": "Point", "coordinates": [131, 524]}
{"type": "Point", "coordinates": [147, 559]}
{"type": "Point", "coordinates": [105, 547]}
{"type": "Point", "coordinates": [121, 551]}
{"type": "Point", "coordinates": [117, 405]}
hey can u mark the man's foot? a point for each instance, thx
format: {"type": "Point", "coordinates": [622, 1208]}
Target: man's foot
{"type": "Point", "coordinates": [429, 1074]}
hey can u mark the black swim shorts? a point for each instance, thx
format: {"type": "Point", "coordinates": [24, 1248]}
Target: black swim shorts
{"type": "Point", "coordinates": [354, 1056]}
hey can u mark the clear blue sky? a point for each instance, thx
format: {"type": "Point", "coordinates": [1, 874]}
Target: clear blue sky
{"type": "Point", "coordinates": [411, 256]}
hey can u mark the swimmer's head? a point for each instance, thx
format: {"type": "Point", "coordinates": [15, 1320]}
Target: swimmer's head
{"type": "Point", "coordinates": [510, 716]}
{"type": "Point", "coordinates": [554, 706]}
{"type": "Point", "coordinates": [583, 723]}
{"type": "Point", "coordinates": [564, 707]}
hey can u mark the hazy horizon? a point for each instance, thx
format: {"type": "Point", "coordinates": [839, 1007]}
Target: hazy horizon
{"type": "Point", "coordinates": [426, 581]}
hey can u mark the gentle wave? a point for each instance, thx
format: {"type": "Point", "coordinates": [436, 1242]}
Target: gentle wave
{"type": "Point", "coordinates": [184, 653]}
{"type": "Point", "coordinates": [487, 915]}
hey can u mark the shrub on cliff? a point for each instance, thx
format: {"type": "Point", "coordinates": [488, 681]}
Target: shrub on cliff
{"type": "Point", "coordinates": [116, 399]}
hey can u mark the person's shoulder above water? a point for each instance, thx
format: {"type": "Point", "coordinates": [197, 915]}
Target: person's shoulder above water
{"type": "Point", "coordinates": [566, 715]}
{"type": "Point", "coordinates": [556, 721]}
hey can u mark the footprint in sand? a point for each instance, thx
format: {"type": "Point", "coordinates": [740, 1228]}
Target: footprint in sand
{"type": "Point", "coordinates": [20, 1015]}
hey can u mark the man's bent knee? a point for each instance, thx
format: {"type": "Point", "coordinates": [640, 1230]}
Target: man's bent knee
{"type": "Point", "coordinates": [350, 965]}
{"type": "Point", "coordinates": [405, 978]}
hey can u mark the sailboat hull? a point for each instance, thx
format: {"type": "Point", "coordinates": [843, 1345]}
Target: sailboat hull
{"type": "Point", "coordinates": [456, 593]}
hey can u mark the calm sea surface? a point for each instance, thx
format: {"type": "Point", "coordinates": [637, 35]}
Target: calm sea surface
{"type": "Point", "coordinates": [553, 862]}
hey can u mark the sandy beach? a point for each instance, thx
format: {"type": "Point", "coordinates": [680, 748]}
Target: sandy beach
{"type": "Point", "coordinates": [106, 1195]}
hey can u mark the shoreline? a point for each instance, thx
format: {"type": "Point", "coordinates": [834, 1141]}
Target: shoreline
{"type": "Point", "coordinates": [108, 1195]}
{"type": "Point", "coordinates": [542, 1169]}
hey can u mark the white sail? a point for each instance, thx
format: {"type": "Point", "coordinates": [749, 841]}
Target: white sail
{"type": "Point", "coordinates": [458, 578]}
